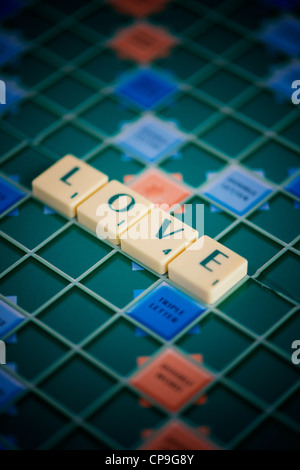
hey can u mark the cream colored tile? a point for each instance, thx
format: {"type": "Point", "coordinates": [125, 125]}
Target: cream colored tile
{"type": "Point", "coordinates": [157, 239]}
{"type": "Point", "coordinates": [67, 184]}
{"type": "Point", "coordinates": [112, 210]}
{"type": "Point", "coordinates": [208, 269]}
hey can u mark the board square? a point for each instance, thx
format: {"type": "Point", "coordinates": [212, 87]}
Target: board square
{"type": "Point", "coordinates": [126, 407]}
{"type": "Point", "coordinates": [65, 315]}
{"type": "Point", "coordinates": [265, 110]}
{"type": "Point", "coordinates": [31, 119]}
{"type": "Point", "coordinates": [244, 136]}
{"type": "Point", "coordinates": [237, 190]}
{"type": "Point", "coordinates": [171, 380]}
{"type": "Point", "coordinates": [68, 93]}
{"type": "Point", "coordinates": [146, 88]}
{"type": "Point", "coordinates": [32, 283]}
{"type": "Point", "coordinates": [159, 189]}
{"type": "Point", "coordinates": [178, 56]}
{"type": "Point", "coordinates": [66, 253]}
{"type": "Point", "coordinates": [142, 42]}
{"type": "Point", "coordinates": [103, 347]}
{"type": "Point", "coordinates": [274, 161]}
{"type": "Point", "coordinates": [34, 351]}
{"type": "Point", "coordinates": [31, 213]}
{"type": "Point", "coordinates": [186, 163]}
{"type": "Point", "coordinates": [284, 337]}
{"type": "Point", "coordinates": [108, 280]}
{"type": "Point", "coordinates": [34, 410]}
{"type": "Point", "coordinates": [10, 254]}
{"type": "Point", "coordinates": [70, 139]}
{"type": "Point", "coordinates": [61, 384]}
{"type": "Point", "coordinates": [278, 276]}
{"type": "Point", "coordinates": [108, 116]}
{"type": "Point", "coordinates": [9, 195]}
{"type": "Point", "coordinates": [188, 112]}
{"type": "Point", "coordinates": [116, 165]}
{"type": "Point", "coordinates": [67, 46]}
{"type": "Point", "coordinates": [150, 138]}
{"type": "Point", "coordinates": [271, 435]}
{"type": "Point", "coordinates": [221, 404]}
{"type": "Point", "coordinates": [166, 311]}
{"type": "Point", "coordinates": [281, 219]}
{"type": "Point", "coordinates": [26, 165]}
{"type": "Point", "coordinates": [253, 245]}
{"type": "Point", "coordinates": [270, 307]}
{"type": "Point", "coordinates": [178, 436]}
{"type": "Point", "coordinates": [273, 375]}
{"type": "Point", "coordinates": [231, 342]}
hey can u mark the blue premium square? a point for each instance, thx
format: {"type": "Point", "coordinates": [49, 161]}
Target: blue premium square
{"type": "Point", "coordinates": [9, 195]}
{"type": "Point", "coordinates": [294, 186]}
{"type": "Point", "coordinates": [150, 138]}
{"type": "Point", "coordinates": [146, 88]}
{"type": "Point", "coordinates": [166, 311]}
{"type": "Point", "coordinates": [9, 387]}
{"type": "Point", "coordinates": [283, 35]}
{"type": "Point", "coordinates": [9, 318]}
{"type": "Point", "coordinates": [237, 190]}
{"type": "Point", "coordinates": [282, 79]}
{"type": "Point", "coordinates": [10, 47]}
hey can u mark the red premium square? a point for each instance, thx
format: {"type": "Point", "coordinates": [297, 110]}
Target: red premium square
{"type": "Point", "coordinates": [171, 380]}
{"type": "Point", "coordinates": [142, 43]}
{"type": "Point", "coordinates": [178, 436]}
{"type": "Point", "coordinates": [139, 8]}
{"type": "Point", "coordinates": [159, 189]}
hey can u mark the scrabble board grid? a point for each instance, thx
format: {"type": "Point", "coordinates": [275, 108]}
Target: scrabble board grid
{"type": "Point", "coordinates": [96, 44]}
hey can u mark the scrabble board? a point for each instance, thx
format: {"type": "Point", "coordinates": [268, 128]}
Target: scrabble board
{"type": "Point", "coordinates": [185, 103]}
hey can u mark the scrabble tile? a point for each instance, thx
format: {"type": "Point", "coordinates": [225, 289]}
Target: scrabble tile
{"type": "Point", "coordinates": [178, 436]}
{"type": "Point", "coordinates": [9, 195]}
{"type": "Point", "coordinates": [67, 184]}
{"type": "Point", "coordinates": [157, 239]}
{"type": "Point", "coordinates": [159, 188]}
{"type": "Point", "coordinates": [283, 35]}
{"type": "Point", "coordinates": [166, 311]}
{"type": "Point", "coordinates": [9, 318]}
{"type": "Point", "coordinates": [142, 43]}
{"type": "Point", "coordinates": [112, 210]}
{"type": "Point", "coordinates": [237, 190]}
{"type": "Point", "coordinates": [9, 388]}
{"type": "Point", "coordinates": [139, 9]}
{"type": "Point", "coordinates": [150, 138]}
{"type": "Point", "coordinates": [146, 88]}
{"type": "Point", "coordinates": [207, 269]}
{"type": "Point", "coordinates": [171, 380]}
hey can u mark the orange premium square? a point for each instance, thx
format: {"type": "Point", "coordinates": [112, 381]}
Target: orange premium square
{"type": "Point", "coordinates": [140, 8]}
{"type": "Point", "coordinates": [171, 380]}
{"type": "Point", "coordinates": [159, 188]}
{"type": "Point", "coordinates": [178, 436]}
{"type": "Point", "coordinates": [142, 42]}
